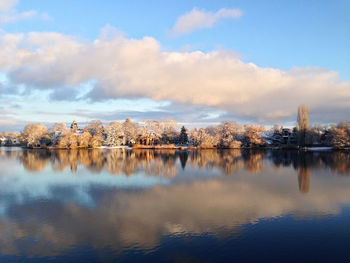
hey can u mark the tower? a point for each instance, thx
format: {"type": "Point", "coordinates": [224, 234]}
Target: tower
{"type": "Point", "coordinates": [74, 126]}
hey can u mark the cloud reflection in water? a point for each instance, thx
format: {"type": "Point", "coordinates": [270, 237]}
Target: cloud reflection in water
{"type": "Point", "coordinates": [122, 198]}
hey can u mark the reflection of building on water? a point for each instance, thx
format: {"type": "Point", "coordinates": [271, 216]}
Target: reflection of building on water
{"type": "Point", "coordinates": [304, 179]}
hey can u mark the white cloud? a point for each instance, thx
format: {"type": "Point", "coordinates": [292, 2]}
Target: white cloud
{"type": "Point", "coordinates": [198, 19]}
{"type": "Point", "coordinates": [128, 68]}
{"type": "Point", "coordinates": [9, 13]}
{"type": "Point", "coordinates": [6, 5]}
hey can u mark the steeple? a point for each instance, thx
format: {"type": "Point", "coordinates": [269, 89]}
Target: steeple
{"type": "Point", "coordinates": [74, 126]}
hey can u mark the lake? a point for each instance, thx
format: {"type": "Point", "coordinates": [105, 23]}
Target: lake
{"type": "Point", "coordinates": [107, 205]}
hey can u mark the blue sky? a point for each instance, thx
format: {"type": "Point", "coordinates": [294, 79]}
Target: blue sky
{"type": "Point", "coordinates": [312, 36]}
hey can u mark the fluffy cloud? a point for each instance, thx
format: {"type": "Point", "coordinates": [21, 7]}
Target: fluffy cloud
{"type": "Point", "coordinates": [129, 68]}
{"type": "Point", "coordinates": [9, 13]}
{"type": "Point", "coordinates": [198, 19]}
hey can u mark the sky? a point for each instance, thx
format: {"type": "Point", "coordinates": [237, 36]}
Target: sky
{"type": "Point", "coordinates": [198, 62]}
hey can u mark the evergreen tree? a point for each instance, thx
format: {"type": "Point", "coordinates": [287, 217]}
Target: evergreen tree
{"type": "Point", "coordinates": [183, 136]}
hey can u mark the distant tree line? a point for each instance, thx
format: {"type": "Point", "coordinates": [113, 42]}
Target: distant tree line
{"type": "Point", "coordinates": [166, 132]}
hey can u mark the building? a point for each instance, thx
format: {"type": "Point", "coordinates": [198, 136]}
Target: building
{"type": "Point", "coordinates": [9, 141]}
{"type": "Point", "coordinates": [149, 139]}
{"type": "Point", "coordinates": [15, 141]}
{"type": "Point", "coordinates": [74, 126]}
{"type": "Point", "coordinates": [285, 136]}
{"type": "Point", "coordinates": [75, 129]}
{"type": "Point", "coordinates": [2, 140]}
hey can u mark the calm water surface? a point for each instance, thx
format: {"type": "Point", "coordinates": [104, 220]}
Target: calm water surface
{"type": "Point", "coordinates": [169, 206]}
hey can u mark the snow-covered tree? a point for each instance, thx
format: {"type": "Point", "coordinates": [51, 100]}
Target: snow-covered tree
{"type": "Point", "coordinates": [33, 133]}
{"type": "Point", "coordinates": [344, 125]}
{"type": "Point", "coordinates": [315, 135]}
{"type": "Point", "coordinates": [194, 137]}
{"type": "Point", "coordinates": [72, 140]}
{"type": "Point", "coordinates": [338, 138]}
{"type": "Point", "coordinates": [209, 137]}
{"type": "Point", "coordinates": [154, 127]}
{"type": "Point", "coordinates": [95, 128]}
{"type": "Point", "coordinates": [114, 134]}
{"type": "Point", "coordinates": [169, 128]}
{"type": "Point", "coordinates": [58, 126]}
{"type": "Point", "coordinates": [231, 135]}
{"type": "Point", "coordinates": [57, 130]}
{"type": "Point", "coordinates": [95, 141]}
{"type": "Point", "coordinates": [130, 131]}
{"type": "Point", "coordinates": [84, 139]}
{"type": "Point", "coordinates": [253, 135]}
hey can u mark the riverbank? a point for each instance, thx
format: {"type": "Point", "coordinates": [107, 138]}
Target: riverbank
{"type": "Point", "coordinates": [187, 148]}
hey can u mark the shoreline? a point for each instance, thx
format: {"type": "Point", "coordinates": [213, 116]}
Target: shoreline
{"type": "Point", "coordinates": [188, 148]}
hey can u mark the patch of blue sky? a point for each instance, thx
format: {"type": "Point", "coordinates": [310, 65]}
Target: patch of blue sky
{"type": "Point", "coordinates": [277, 34]}
{"type": "Point", "coordinates": [280, 34]}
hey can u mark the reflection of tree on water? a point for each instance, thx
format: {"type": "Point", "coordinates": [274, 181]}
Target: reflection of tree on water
{"type": "Point", "coordinates": [340, 163]}
{"type": "Point", "coordinates": [153, 162]}
{"type": "Point", "coordinates": [7, 153]}
{"type": "Point", "coordinates": [122, 219]}
{"type": "Point", "coordinates": [228, 161]}
{"type": "Point", "coordinates": [157, 162]}
{"type": "Point", "coordinates": [305, 162]}
{"type": "Point", "coordinates": [301, 164]}
{"type": "Point", "coordinates": [35, 161]}
{"type": "Point", "coordinates": [337, 161]}
{"type": "Point", "coordinates": [304, 179]}
{"type": "Point", "coordinates": [166, 162]}
{"type": "Point", "coordinates": [253, 160]}
{"type": "Point", "coordinates": [183, 159]}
